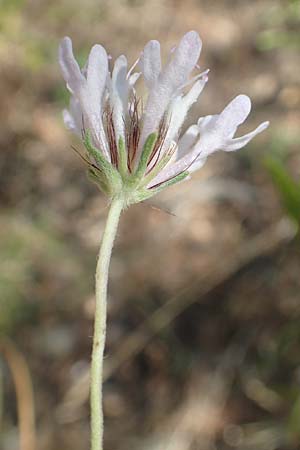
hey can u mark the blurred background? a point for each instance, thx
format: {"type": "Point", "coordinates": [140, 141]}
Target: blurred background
{"type": "Point", "coordinates": [203, 347]}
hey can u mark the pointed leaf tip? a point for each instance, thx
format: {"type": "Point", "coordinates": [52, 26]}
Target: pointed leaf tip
{"type": "Point", "coordinates": [146, 154]}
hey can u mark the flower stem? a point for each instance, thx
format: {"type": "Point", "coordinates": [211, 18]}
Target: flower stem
{"type": "Point", "coordinates": [100, 322]}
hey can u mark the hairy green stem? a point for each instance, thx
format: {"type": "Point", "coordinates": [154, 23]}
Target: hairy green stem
{"type": "Point", "coordinates": [100, 322]}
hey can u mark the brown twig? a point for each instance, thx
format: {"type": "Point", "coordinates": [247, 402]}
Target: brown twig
{"type": "Point", "coordinates": [24, 393]}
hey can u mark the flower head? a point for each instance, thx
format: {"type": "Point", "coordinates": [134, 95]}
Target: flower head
{"type": "Point", "coordinates": [134, 150]}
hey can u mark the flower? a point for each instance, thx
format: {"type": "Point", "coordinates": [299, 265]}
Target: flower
{"type": "Point", "coordinates": [137, 151]}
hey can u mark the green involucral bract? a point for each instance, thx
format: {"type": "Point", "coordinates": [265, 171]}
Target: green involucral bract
{"type": "Point", "coordinates": [104, 173]}
{"type": "Point", "coordinates": [122, 166]}
{"type": "Point", "coordinates": [119, 182]}
{"type": "Point", "coordinates": [145, 156]}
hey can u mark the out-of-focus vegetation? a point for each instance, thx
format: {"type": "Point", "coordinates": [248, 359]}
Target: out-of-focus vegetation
{"type": "Point", "coordinates": [25, 247]}
{"type": "Point", "coordinates": [283, 23]}
{"type": "Point", "coordinates": [289, 189]}
{"type": "Point", "coordinates": [224, 371]}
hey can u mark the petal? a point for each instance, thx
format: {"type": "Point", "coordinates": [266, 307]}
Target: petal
{"type": "Point", "coordinates": [233, 115]}
{"type": "Point", "coordinates": [236, 144]}
{"type": "Point", "coordinates": [76, 111]}
{"type": "Point", "coordinates": [198, 164]}
{"type": "Point", "coordinates": [96, 74]}
{"type": "Point", "coordinates": [69, 121]}
{"type": "Point", "coordinates": [150, 63]}
{"type": "Point", "coordinates": [184, 60]}
{"type": "Point", "coordinates": [73, 117]}
{"type": "Point", "coordinates": [173, 76]}
{"type": "Point", "coordinates": [170, 171]}
{"type": "Point", "coordinates": [88, 91]}
{"type": "Point", "coordinates": [69, 66]}
{"type": "Point", "coordinates": [133, 78]}
{"type": "Point", "coordinates": [207, 122]}
{"type": "Point", "coordinates": [119, 94]}
{"type": "Point", "coordinates": [119, 79]}
{"type": "Point", "coordinates": [220, 128]}
{"type": "Point", "coordinates": [186, 142]}
{"type": "Point", "coordinates": [197, 77]}
{"type": "Point", "coordinates": [180, 107]}
{"type": "Point", "coordinates": [216, 134]}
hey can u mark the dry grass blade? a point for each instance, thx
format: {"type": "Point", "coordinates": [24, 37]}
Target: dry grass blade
{"type": "Point", "coordinates": [24, 393]}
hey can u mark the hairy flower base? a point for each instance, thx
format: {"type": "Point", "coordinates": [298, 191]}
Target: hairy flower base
{"type": "Point", "coordinates": [121, 179]}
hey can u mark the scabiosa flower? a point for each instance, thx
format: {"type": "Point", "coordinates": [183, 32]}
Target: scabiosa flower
{"type": "Point", "coordinates": [136, 149]}
{"type": "Point", "coordinates": [133, 149]}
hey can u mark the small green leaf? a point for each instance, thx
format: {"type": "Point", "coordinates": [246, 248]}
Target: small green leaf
{"type": "Point", "coordinates": [122, 157]}
{"type": "Point", "coordinates": [146, 154]}
{"type": "Point", "coordinates": [155, 171]}
{"type": "Point", "coordinates": [294, 420]}
{"type": "Point", "coordinates": [99, 179]}
{"type": "Point", "coordinates": [170, 182]}
{"type": "Point", "coordinates": [288, 188]}
{"type": "Point", "coordinates": [111, 176]}
{"type": "Point", "coordinates": [96, 153]}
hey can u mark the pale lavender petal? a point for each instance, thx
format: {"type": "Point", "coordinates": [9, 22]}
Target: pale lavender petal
{"type": "Point", "coordinates": [130, 71]}
{"type": "Point", "coordinates": [220, 128]}
{"type": "Point", "coordinates": [150, 63]}
{"type": "Point", "coordinates": [229, 145]}
{"type": "Point", "coordinates": [180, 107]}
{"type": "Point", "coordinates": [207, 122]}
{"type": "Point", "coordinates": [178, 110]}
{"type": "Point", "coordinates": [237, 143]}
{"type": "Point", "coordinates": [184, 60]}
{"type": "Point", "coordinates": [133, 78]}
{"type": "Point", "coordinates": [69, 121]}
{"type": "Point", "coordinates": [216, 134]}
{"type": "Point", "coordinates": [233, 115]}
{"type": "Point", "coordinates": [73, 117]}
{"type": "Point", "coordinates": [197, 164]}
{"type": "Point", "coordinates": [119, 79]}
{"type": "Point", "coordinates": [70, 68]}
{"type": "Point", "coordinates": [119, 95]}
{"type": "Point", "coordinates": [86, 90]}
{"type": "Point", "coordinates": [96, 74]}
{"type": "Point", "coordinates": [188, 139]}
{"type": "Point", "coordinates": [172, 77]}
{"type": "Point", "coordinates": [170, 171]}
{"type": "Point", "coordinates": [193, 80]}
